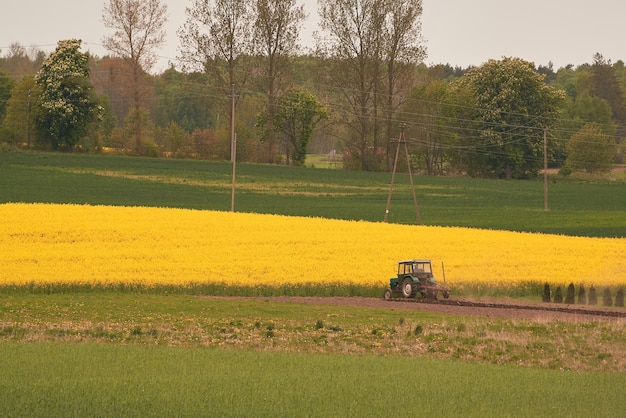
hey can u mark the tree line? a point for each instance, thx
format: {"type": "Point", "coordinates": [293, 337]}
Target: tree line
{"type": "Point", "coordinates": [241, 71]}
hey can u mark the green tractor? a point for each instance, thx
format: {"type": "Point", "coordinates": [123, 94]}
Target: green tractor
{"type": "Point", "coordinates": [415, 277]}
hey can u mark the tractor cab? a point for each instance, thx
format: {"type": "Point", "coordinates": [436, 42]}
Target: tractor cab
{"type": "Point", "coordinates": [417, 268]}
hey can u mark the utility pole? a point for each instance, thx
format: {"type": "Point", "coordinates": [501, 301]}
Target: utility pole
{"type": "Point", "coordinates": [401, 140]}
{"type": "Point", "coordinates": [233, 146]}
{"type": "Point", "coordinates": [28, 123]}
{"type": "Point", "coordinates": [545, 169]}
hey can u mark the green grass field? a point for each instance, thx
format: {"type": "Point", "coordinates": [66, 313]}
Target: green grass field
{"type": "Point", "coordinates": [128, 352]}
{"type": "Point", "coordinates": [577, 207]}
{"type": "Point", "coordinates": [89, 380]}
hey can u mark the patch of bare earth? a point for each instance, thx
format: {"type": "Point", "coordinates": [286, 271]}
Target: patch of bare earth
{"type": "Point", "coordinates": [483, 307]}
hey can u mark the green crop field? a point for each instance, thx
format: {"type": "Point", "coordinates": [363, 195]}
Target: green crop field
{"type": "Point", "coordinates": [576, 206]}
{"type": "Point", "coordinates": [89, 380]}
{"type": "Point", "coordinates": [128, 352]}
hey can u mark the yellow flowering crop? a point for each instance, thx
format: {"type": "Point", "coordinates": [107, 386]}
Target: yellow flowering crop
{"type": "Point", "coordinates": [44, 243]}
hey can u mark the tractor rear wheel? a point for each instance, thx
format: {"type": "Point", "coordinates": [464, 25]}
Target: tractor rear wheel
{"type": "Point", "coordinates": [407, 287]}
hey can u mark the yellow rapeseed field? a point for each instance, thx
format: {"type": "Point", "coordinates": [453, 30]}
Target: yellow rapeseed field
{"type": "Point", "coordinates": [45, 243]}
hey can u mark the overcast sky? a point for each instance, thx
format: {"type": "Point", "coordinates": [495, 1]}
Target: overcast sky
{"type": "Point", "coordinates": [457, 32]}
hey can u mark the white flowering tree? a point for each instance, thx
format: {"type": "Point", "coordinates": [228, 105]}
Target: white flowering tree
{"type": "Point", "coordinates": [67, 102]}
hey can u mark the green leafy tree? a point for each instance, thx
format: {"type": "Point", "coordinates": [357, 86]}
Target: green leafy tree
{"type": "Point", "coordinates": [179, 101]}
{"type": "Point", "coordinates": [131, 121]}
{"type": "Point", "coordinates": [22, 110]}
{"type": "Point", "coordinates": [585, 109]}
{"type": "Point", "coordinates": [566, 79]}
{"type": "Point", "coordinates": [605, 84]}
{"type": "Point", "coordinates": [577, 112]}
{"type": "Point", "coordinates": [297, 114]}
{"type": "Point", "coordinates": [510, 107]}
{"type": "Point", "coordinates": [590, 150]}
{"type": "Point", "coordinates": [176, 141]}
{"type": "Point", "coordinates": [67, 102]}
{"type": "Point", "coordinates": [427, 115]}
{"type": "Point", "coordinates": [6, 85]}
{"type": "Point", "coordinates": [99, 133]}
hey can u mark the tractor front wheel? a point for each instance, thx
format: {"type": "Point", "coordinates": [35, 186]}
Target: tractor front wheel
{"type": "Point", "coordinates": [388, 294]}
{"type": "Point", "coordinates": [407, 287]}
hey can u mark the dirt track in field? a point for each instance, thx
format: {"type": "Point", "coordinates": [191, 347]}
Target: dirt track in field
{"type": "Point", "coordinates": [497, 308]}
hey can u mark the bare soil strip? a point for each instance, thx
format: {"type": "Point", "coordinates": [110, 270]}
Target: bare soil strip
{"type": "Point", "coordinates": [500, 308]}
{"type": "Point", "coordinates": [569, 309]}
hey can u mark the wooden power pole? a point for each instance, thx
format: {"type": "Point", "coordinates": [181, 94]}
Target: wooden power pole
{"type": "Point", "coordinates": [233, 146]}
{"type": "Point", "coordinates": [402, 141]}
{"type": "Point", "coordinates": [545, 169]}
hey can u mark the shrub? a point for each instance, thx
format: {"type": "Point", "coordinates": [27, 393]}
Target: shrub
{"type": "Point", "coordinates": [565, 170]}
{"type": "Point", "coordinates": [546, 293]}
{"type": "Point", "coordinates": [593, 298]}
{"type": "Point", "coordinates": [582, 296]}
{"type": "Point", "coordinates": [608, 298]}
{"type": "Point", "coordinates": [571, 293]}
{"type": "Point", "coordinates": [558, 295]}
{"type": "Point", "coordinates": [619, 297]}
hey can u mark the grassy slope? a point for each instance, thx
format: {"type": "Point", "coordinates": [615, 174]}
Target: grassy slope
{"type": "Point", "coordinates": [576, 208]}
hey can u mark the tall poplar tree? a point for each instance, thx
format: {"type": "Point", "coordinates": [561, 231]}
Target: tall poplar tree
{"type": "Point", "coordinates": [402, 49]}
{"type": "Point", "coordinates": [605, 84]}
{"type": "Point", "coordinates": [276, 31]}
{"type": "Point", "coordinates": [139, 30]}
{"type": "Point", "coordinates": [372, 47]}
{"type": "Point", "coordinates": [352, 49]}
{"type": "Point", "coordinates": [218, 39]}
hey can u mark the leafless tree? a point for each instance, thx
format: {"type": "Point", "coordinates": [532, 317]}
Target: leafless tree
{"type": "Point", "coordinates": [373, 45]}
{"type": "Point", "coordinates": [218, 38]}
{"type": "Point", "coordinates": [402, 49]}
{"type": "Point", "coordinates": [20, 62]}
{"type": "Point", "coordinates": [138, 32]}
{"type": "Point", "coordinates": [352, 45]}
{"type": "Point", "coordinates": [276, 31]}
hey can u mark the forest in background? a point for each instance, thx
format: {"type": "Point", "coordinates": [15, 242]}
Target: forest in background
{"type": "Point", "coordinates": [185, 113]}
